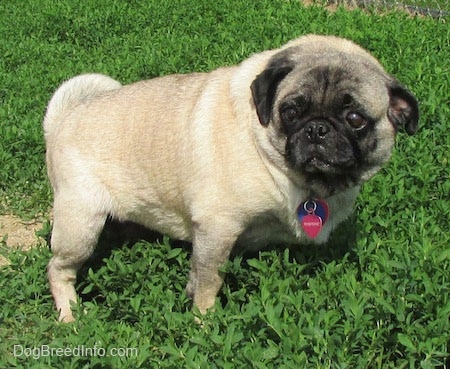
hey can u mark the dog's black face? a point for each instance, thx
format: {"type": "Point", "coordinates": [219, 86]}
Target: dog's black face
{"type": "Point", "coordinates": [337, 120]}
{"type": "Point", "coordinates": [329, 134]}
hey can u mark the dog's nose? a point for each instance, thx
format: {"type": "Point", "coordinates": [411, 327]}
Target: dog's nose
{"type": "Point", "coordinates": [316, 131]}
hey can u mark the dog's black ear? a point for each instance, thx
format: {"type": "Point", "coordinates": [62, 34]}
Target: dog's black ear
{"type": "Point", "coordinates": [403, 108]}
{"type": "Point", "coordinates": [264, 87]}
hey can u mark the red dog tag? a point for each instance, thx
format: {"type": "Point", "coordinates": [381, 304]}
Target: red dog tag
{"type": "Point", "coordinates": [312, 225]}
{"type": "Point", "coordinates": [313, 214]}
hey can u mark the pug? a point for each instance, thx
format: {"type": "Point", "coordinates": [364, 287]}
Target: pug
{"type": "Point", "coordinates": [272, 151]}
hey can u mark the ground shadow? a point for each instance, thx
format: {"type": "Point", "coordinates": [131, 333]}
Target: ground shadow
{"type": "Point", "coordinates": [127, 234]}
{"type": "Point", "coordinates": [117, 235]}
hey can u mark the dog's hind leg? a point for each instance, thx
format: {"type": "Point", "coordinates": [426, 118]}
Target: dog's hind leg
{"type": "Point", "coordinates": [76, 229]}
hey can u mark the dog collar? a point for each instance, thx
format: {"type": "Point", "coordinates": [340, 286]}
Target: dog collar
{"type": "Point", "coordinates": [313, 214]}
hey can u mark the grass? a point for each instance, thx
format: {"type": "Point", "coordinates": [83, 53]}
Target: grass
{"type": "Point", "coordinates": [376, 296]}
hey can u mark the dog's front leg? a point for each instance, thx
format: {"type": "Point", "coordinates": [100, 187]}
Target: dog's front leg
{"type": "Point", "coordinates": [210, 253]}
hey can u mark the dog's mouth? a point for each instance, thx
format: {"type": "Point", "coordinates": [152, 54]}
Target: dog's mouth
{"type": "Point", "coordinates": [318, 165]}
{"type": "Point", "coordinates": [327, 161]}
{"type": "Point", "coordinates": [326, 170]}
{"type": "Point", "coordinates": [332, 153]}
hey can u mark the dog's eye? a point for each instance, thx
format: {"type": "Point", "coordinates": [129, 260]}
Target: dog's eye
{"type": "Point", "coordinates": [356, 120]}
{"type": "Point", "coordinates": [289, 114]}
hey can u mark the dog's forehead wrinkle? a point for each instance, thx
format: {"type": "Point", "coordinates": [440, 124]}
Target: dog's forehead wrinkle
{"type": "Point", "coordinates": [334, 87]}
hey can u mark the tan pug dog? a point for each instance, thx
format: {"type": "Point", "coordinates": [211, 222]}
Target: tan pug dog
{"type": "Point", "coordinates": [270, 151]}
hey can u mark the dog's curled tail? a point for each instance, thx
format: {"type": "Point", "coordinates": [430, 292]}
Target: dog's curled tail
{"type": "Point", "coordinates": [73, 92]}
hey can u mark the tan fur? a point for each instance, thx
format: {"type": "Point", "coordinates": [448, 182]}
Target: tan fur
{"type": "Point", "coordinates": [184, 155]}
